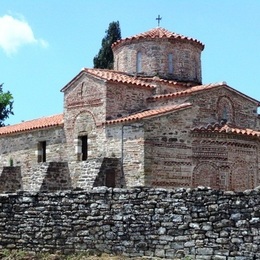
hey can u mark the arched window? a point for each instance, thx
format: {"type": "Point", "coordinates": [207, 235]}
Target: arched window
{"type": "Point", "coordinates": [170, 63]}
{"type": "Point", "coordinates": [206, 174]}
{"type": "Point", "coordinates": [225, 113]}
{"type": "Point", "coordinates": [225, 109]}
{"type": "Point", "coordinates": [139, 62]}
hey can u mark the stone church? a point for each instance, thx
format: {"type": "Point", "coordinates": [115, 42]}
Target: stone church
{"type": "Point", "coordinates": [148, 122]}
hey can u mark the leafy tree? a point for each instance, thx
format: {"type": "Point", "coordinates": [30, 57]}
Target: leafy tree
{"type": "Point", "coordinates": [6, 105]}
{"type": "Point", "coordinates": [104, 59]}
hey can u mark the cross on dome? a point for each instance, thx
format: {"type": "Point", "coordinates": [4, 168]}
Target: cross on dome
{"type": "Point", "coordinates": [159, 20]}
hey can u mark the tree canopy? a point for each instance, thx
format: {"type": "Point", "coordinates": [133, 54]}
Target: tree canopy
{"type": "Point", "coordinates": [104, 59]}
{"type": "Point", "coordinates": [6, 105]}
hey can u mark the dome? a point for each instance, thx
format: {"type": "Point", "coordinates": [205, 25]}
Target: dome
{"type": "Point", "coordinates": [159, 52]}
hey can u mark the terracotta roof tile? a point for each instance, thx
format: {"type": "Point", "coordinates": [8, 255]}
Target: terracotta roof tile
{"type": "Point", "coordinates": [40, 123]}
{"type": "Point", "coordinates": [154, 33]}
{"type": "Point", "coordinates": [168, 82]}
{"type": "Point", "coordinates": [149, 113]}
{"type": "Point", "coordinates": [198, 88]}
{"type": "Point", "coordinates": [120, 77]}
{"type": "Point", "coordinates": [187, 91]}
{"type": "Point", "coordinates": [220, 128]}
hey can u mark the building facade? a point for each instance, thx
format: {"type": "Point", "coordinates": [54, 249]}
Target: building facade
{"type": "Point", "coordinates": [149, 122]}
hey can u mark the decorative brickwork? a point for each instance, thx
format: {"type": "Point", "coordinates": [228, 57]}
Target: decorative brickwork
{"type": "Point", "coordinates": [159, 53]}
{"type": "Point", "coordinates": [149, 122]}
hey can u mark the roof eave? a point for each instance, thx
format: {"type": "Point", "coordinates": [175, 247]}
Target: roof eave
{"type": "Point", "coordinates": [31, 130]}
{"type": "Point", "coordinates": [73, 80]}
{"type": "Point", "coordinates": [148, 117]}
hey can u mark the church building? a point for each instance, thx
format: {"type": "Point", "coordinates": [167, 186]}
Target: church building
{"type": "Point", "coordinates": [148, 122]}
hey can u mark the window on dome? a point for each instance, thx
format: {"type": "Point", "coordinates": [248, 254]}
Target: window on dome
{"type": "Point", "coordinates": [170, 63]}
{"type": "Point", "coordinates": [139, 62]}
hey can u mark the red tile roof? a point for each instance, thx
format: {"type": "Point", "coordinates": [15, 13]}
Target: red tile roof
{"type": "Point", "coordinates": [198, 88]}
{"type": "Point", "coordinates": [155, 80]}
{"type": "Point", "coordinates": [188, 91]}
{"type": "Point", "coordinates": [44, 122]}
{"type": "Point", "coordinates": [149, 113]}
{"type": "Point", "coordinates": [220, 128]}
{"type": "Point", "coordinates": [154, 33]}
{"type": "Point", "coordinates": [120, 77]}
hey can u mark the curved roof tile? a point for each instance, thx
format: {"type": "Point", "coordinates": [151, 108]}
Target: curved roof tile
{"type": "Point", "coordinates": [149, 113]}
{"type": "Point", "coordinates": [220, 128]}
{"type": "Point", "coordinates": [187, 91]}
{"type": "Point", "coordinates": [120, 77]}
{"type": "Point", "coordinates": [156, 33]}
{"type": "Point", "coordinates": [200, 88]}
{"type": "Point", "coordinates": [40, 123]}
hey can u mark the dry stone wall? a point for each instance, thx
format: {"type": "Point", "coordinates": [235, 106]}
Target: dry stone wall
{"type": "Point", "coordinates": [194, 223]}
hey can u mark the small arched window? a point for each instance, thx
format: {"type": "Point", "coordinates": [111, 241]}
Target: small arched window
{"type": "Point", "coordinates": [139, 62]}
{"type": "Point", "coordinates": [225, 113]}
{"type": "Point", "coordinates": [225, 109]}
{"type": "Point", "coordinates": [170, 63]}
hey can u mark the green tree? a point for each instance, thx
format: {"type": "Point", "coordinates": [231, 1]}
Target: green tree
{"type": "Point", "coordinates": [6, 105]}
{"type": "Point", "coordinates": [104, 59]}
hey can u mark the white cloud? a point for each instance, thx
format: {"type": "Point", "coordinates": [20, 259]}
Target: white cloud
{"type": "Point", "coordinates": [15, 33]}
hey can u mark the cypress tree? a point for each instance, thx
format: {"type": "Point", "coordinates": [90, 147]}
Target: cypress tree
{"type": "Point", "coordinates": [104, 59]}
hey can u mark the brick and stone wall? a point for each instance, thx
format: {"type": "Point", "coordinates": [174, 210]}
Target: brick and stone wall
{"type": "Point", "coordinates": [193, 223]}
{"type": "Point", "coordinates": [240, 111]}
{"type": "Point", "coordinates": [84, 111]}
{"type": "Point", "coordinates": [23, 149]}
{"type": "Point", "coordinates": [168, 153]}
{"type": "Point", "coordinates": [57, 176]}
{"type": "Point", "coordinates": [123, 100]}
{"type": "Point", "coordinates": [208, 107]}
{"type": "Point", "coordinates": [186, 63]}
{"type": "Point", "coordinates": [126, 142]}
{"type": "Point", "coordinates": [223, 162]}
{"type": "Point", "coordinates": [174, 156]}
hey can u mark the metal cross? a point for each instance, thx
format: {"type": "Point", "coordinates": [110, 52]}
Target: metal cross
{"type": "Point", "coordinates": [158, 19]}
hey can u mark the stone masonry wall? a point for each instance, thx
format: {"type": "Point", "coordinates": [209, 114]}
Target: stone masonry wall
{"type": "Point", "coordinates": [208, 107]}
{"type": "Point", "coordinates": [186, 63]}
{"type": "Point", "coordinates": [123, 100]}
{"type": "Point", "coordinates": [194, 223]}
{"type": "Point", "coordinates": [127, 142]}
{"type": "Point", "coordinates": [225, 162]}
{"type": "Point", "coordinates": [57, 176]}
{"type": "Point", "coordinates": [168, 153]}
{"type": "Point", "coordinates": [23, 149]}
{"type": "Point", "coordinates": [84, 110]}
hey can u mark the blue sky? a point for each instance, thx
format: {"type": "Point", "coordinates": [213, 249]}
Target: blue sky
{"type": "Point", "coordinates": [44, 44]}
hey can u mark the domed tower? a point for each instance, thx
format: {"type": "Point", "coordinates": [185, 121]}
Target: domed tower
{"type": "Point", "coordinates": [161, 53]}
